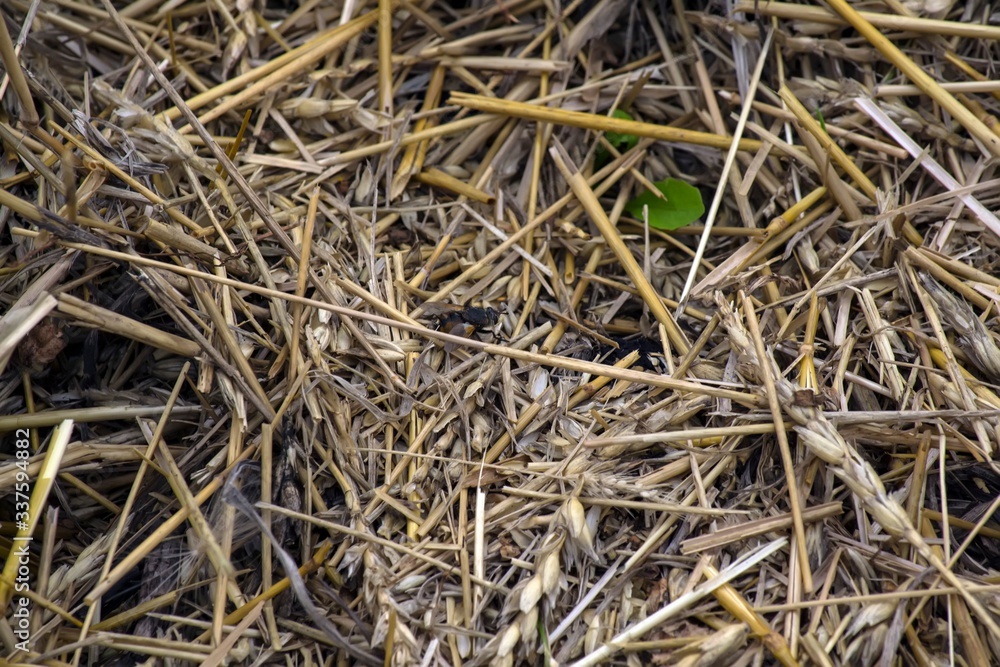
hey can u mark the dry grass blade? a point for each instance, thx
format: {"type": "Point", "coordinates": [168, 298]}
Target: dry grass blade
{"type": "Point", "coordinates": [87, 314]}
{"type": "Point", "coordinates": [987, 217]}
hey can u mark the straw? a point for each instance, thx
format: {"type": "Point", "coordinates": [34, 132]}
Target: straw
{"type": "Point", "coordinates": [378, 264]}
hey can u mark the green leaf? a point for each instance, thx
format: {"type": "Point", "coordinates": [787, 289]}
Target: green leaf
{"type": "Point", "coordinates": [683, 205]}
{"type": "Point", "coordinates": [621, 142]}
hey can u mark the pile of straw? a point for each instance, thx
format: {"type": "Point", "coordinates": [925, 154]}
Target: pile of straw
{"type": "Point", "coordinates": [328, 340]}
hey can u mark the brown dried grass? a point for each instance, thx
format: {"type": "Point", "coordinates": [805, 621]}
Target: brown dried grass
{"type": "Point", "coordinates": [254, 443]}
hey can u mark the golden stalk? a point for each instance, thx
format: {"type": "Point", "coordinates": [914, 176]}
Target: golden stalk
{"type": "Point", "coordinates": [812, 126]}
{"type": "Point", "coordinates": [918, 76]}
{"type": "Point", "coordinates": [29, 511]}
{"type": "Point", "coordinates": [596, 122]}
{"type": "Point", "coordinates": [91, 315]}
{"type": "Point", "coordinates": [821, 437]}
{"type": "Point", "coordinates": [791, 479]}
{"type": "Point", "coordinates": [593, 207]}
{"type": "Point", "coordinates": [787, 10]}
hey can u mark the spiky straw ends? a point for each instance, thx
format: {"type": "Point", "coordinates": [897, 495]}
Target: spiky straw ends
{"type": "Point", "coordinates": [823, 440]}
{"type": "Point", "coordinates": [973, 336]}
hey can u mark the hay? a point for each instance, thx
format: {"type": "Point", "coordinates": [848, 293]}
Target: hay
{"type": "Point", "coordinates": [328, 339]}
